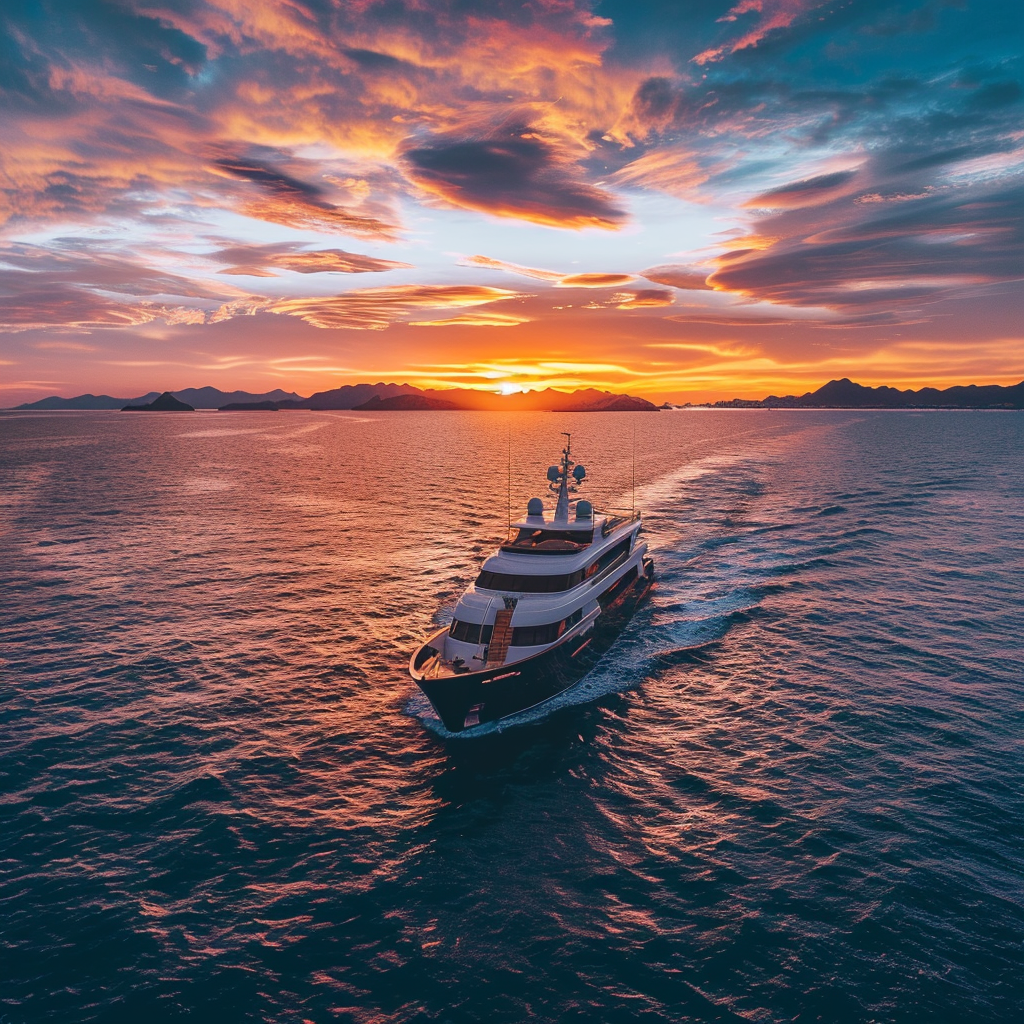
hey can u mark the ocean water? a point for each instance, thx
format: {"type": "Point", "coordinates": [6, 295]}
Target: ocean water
{"type": "Point", "coordinates": [792, 791]}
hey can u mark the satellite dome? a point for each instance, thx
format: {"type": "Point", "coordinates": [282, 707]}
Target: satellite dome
{"type": "Point", "coordinates": [579, 472]}
{"type": "Point", "coordinates": [584, 510]}
{"type": "Point", "coordinates": [554, 474]}
{"type": "Point", "coordinates": [535, 507]}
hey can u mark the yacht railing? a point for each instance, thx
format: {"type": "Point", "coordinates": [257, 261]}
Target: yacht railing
{"type": "Point", "coordinates": [617, 520]}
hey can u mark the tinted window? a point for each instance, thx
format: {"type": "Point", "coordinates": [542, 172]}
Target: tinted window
{"type": "Point", "coordinates": [470, 632]}
{"type": "Point", "coordinates": [517, 584]}
{"type": "Point", "coordinates": [548, 633]}
{"type": "Point", "coordinates": [532, 636]}
{"type": "Point", "coordinates": [609, 556]}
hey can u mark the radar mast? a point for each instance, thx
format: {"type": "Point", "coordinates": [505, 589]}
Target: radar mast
{"type": "Point", "coordinates": [558, 477]}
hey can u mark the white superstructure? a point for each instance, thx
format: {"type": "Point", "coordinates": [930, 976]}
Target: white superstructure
{"type": "Point", "coordinates": [547, 583]}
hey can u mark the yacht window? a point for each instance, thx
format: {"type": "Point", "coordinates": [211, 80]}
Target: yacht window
{"type": "Point", "coordinates": [516, 584]}
{"type": "Point", "coordinates": [608, 557]}
{"type": "Point", "coordinates": [534, 636]}
{"type": "Point", "coordinates": [548, 633]}
{"type": "Point", "coordinates": [470, 632]}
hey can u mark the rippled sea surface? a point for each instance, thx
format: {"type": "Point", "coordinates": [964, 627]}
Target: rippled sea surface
{"type": "Point", "coordinates": [794, 790]}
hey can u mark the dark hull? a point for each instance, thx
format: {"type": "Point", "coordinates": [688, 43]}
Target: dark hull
{"type": "Point", "coordinates": [474, 698]}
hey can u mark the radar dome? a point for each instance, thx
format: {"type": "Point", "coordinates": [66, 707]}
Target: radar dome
{"type": "Point", "coordinates": [579, 472]}
{"type": "Point", "coordinates": [554, 474]}
{"type": "Point", "coordinates": [584, 510]}
{"type": "Point", "coordinates": [535, 507]}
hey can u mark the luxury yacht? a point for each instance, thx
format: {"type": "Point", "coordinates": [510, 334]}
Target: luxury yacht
{"type": "Point", "coordinates": [545, 607]}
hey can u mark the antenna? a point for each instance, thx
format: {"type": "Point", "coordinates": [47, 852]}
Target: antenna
{"type": "Point", "coordinates": [634, 470]}
{"type": "Point", "coordinates": [508, 532]}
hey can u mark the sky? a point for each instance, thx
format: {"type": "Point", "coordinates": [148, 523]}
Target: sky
{"type": "Point", "coordinates": [684, 200]}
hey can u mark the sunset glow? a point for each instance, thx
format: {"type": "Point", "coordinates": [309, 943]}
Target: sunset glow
{"type": "Point", "coordinates": [686, 202]}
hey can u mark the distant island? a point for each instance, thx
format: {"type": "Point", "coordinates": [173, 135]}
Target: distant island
{"type": "Point", "coordinates": [380, 397]}
{"type": "Point", "coordinates": [406, 403]}
{"type": "Point", "coordinates": [845, 394]}
{"type": "Point", "coordinates": [198, 398]}
{"type": "Point", "coordinates": [548, 400]}
{"type": "Point", "coordinates": [165, 403]}
{"type": "Point", "coordinates": [390, 397]}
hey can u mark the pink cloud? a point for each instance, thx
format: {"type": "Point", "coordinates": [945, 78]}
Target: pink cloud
{"type": "Point", "coordinates": [772, 15]}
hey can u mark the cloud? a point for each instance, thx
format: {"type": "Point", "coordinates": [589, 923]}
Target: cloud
{"type": "Point", "coordinates": [674, 169]}
{"type": "Point", "coordinates": [595, 280]}
{"type": "Point", "coordinates": [63, 346]}
{"type": "Point", "coordinates": [256, 260]}
{"type": "Point", "coordinates": [474, 320]}
{"type": "Point", "coordinates": [89, 264]}
{"type": "Point", "coordinates": [510, 268]}
{"type": "Point", "coordinates": [796, 319]}
{"type": "Point", "coordinates": [376, 308]}
{"type": "Point", "coordinates": [80, 284]}
{"type": "Point", "coordinates": [183, 315]}
{"type": "Point", "coordinates": [27, 305]}
{"type": "Point", "coordinates": [283, 199]}
{"type": "Point", "coordinates": [848, 255]}
{"type": "Point", "coordinates": [32, 302]}
{"type": "Point", "coordinates": [819, 189]}
{"type": "Point", "coordinates": [519, 175]}
{"type": "Point", "coordinates": [644, 297]}
{"type": "Point", "coordinates": [360, 309]}
{"type": "Point", "coordinates": [677, 276]}
{"type": "Point", "coordinates": [771, 15]}
{"type": "Point", "coordinates": [249, 306]}
{"type": "Point", "coordinates": [247, 270]}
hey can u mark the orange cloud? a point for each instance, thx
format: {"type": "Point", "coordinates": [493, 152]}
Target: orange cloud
{"type": "Point", "coordinates": [559, 280]}
{"type": "Point", "coordinates": [60, 306]}
{"type": "Point", "coordinates": [475, 320]}
{"type": "Point", "coordinates": [595, 280]}
{"type": "Point", "coordinates": [644, 297]}
{"type": "Point", "coordinates": [510, 268]}
{"type": "Point", "coordinates": [254, 261]}
{"type": "Point", "coordinates": [339, 81]}
{"type": "Point", "coordinates": [376, 308]}
{"type": "Point", "coordinates": [673, 170]}
{"type": "Point", "coordinates": [677, 276]}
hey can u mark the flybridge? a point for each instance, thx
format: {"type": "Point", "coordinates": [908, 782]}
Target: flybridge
{"type": "Point", "coordinates": [559, 535]}
{"type": "Point", "coordinates": [532, 541]}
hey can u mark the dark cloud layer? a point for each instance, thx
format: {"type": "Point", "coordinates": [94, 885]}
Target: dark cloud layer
{"type": "Point", "coordinates": [286, 200]}
{"type": "Point", "coordinates": [818, 189]}
{"type": "Point", "coordinates": [520, 175]}
{"type": "Point", "coordinates": [894, 253]}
